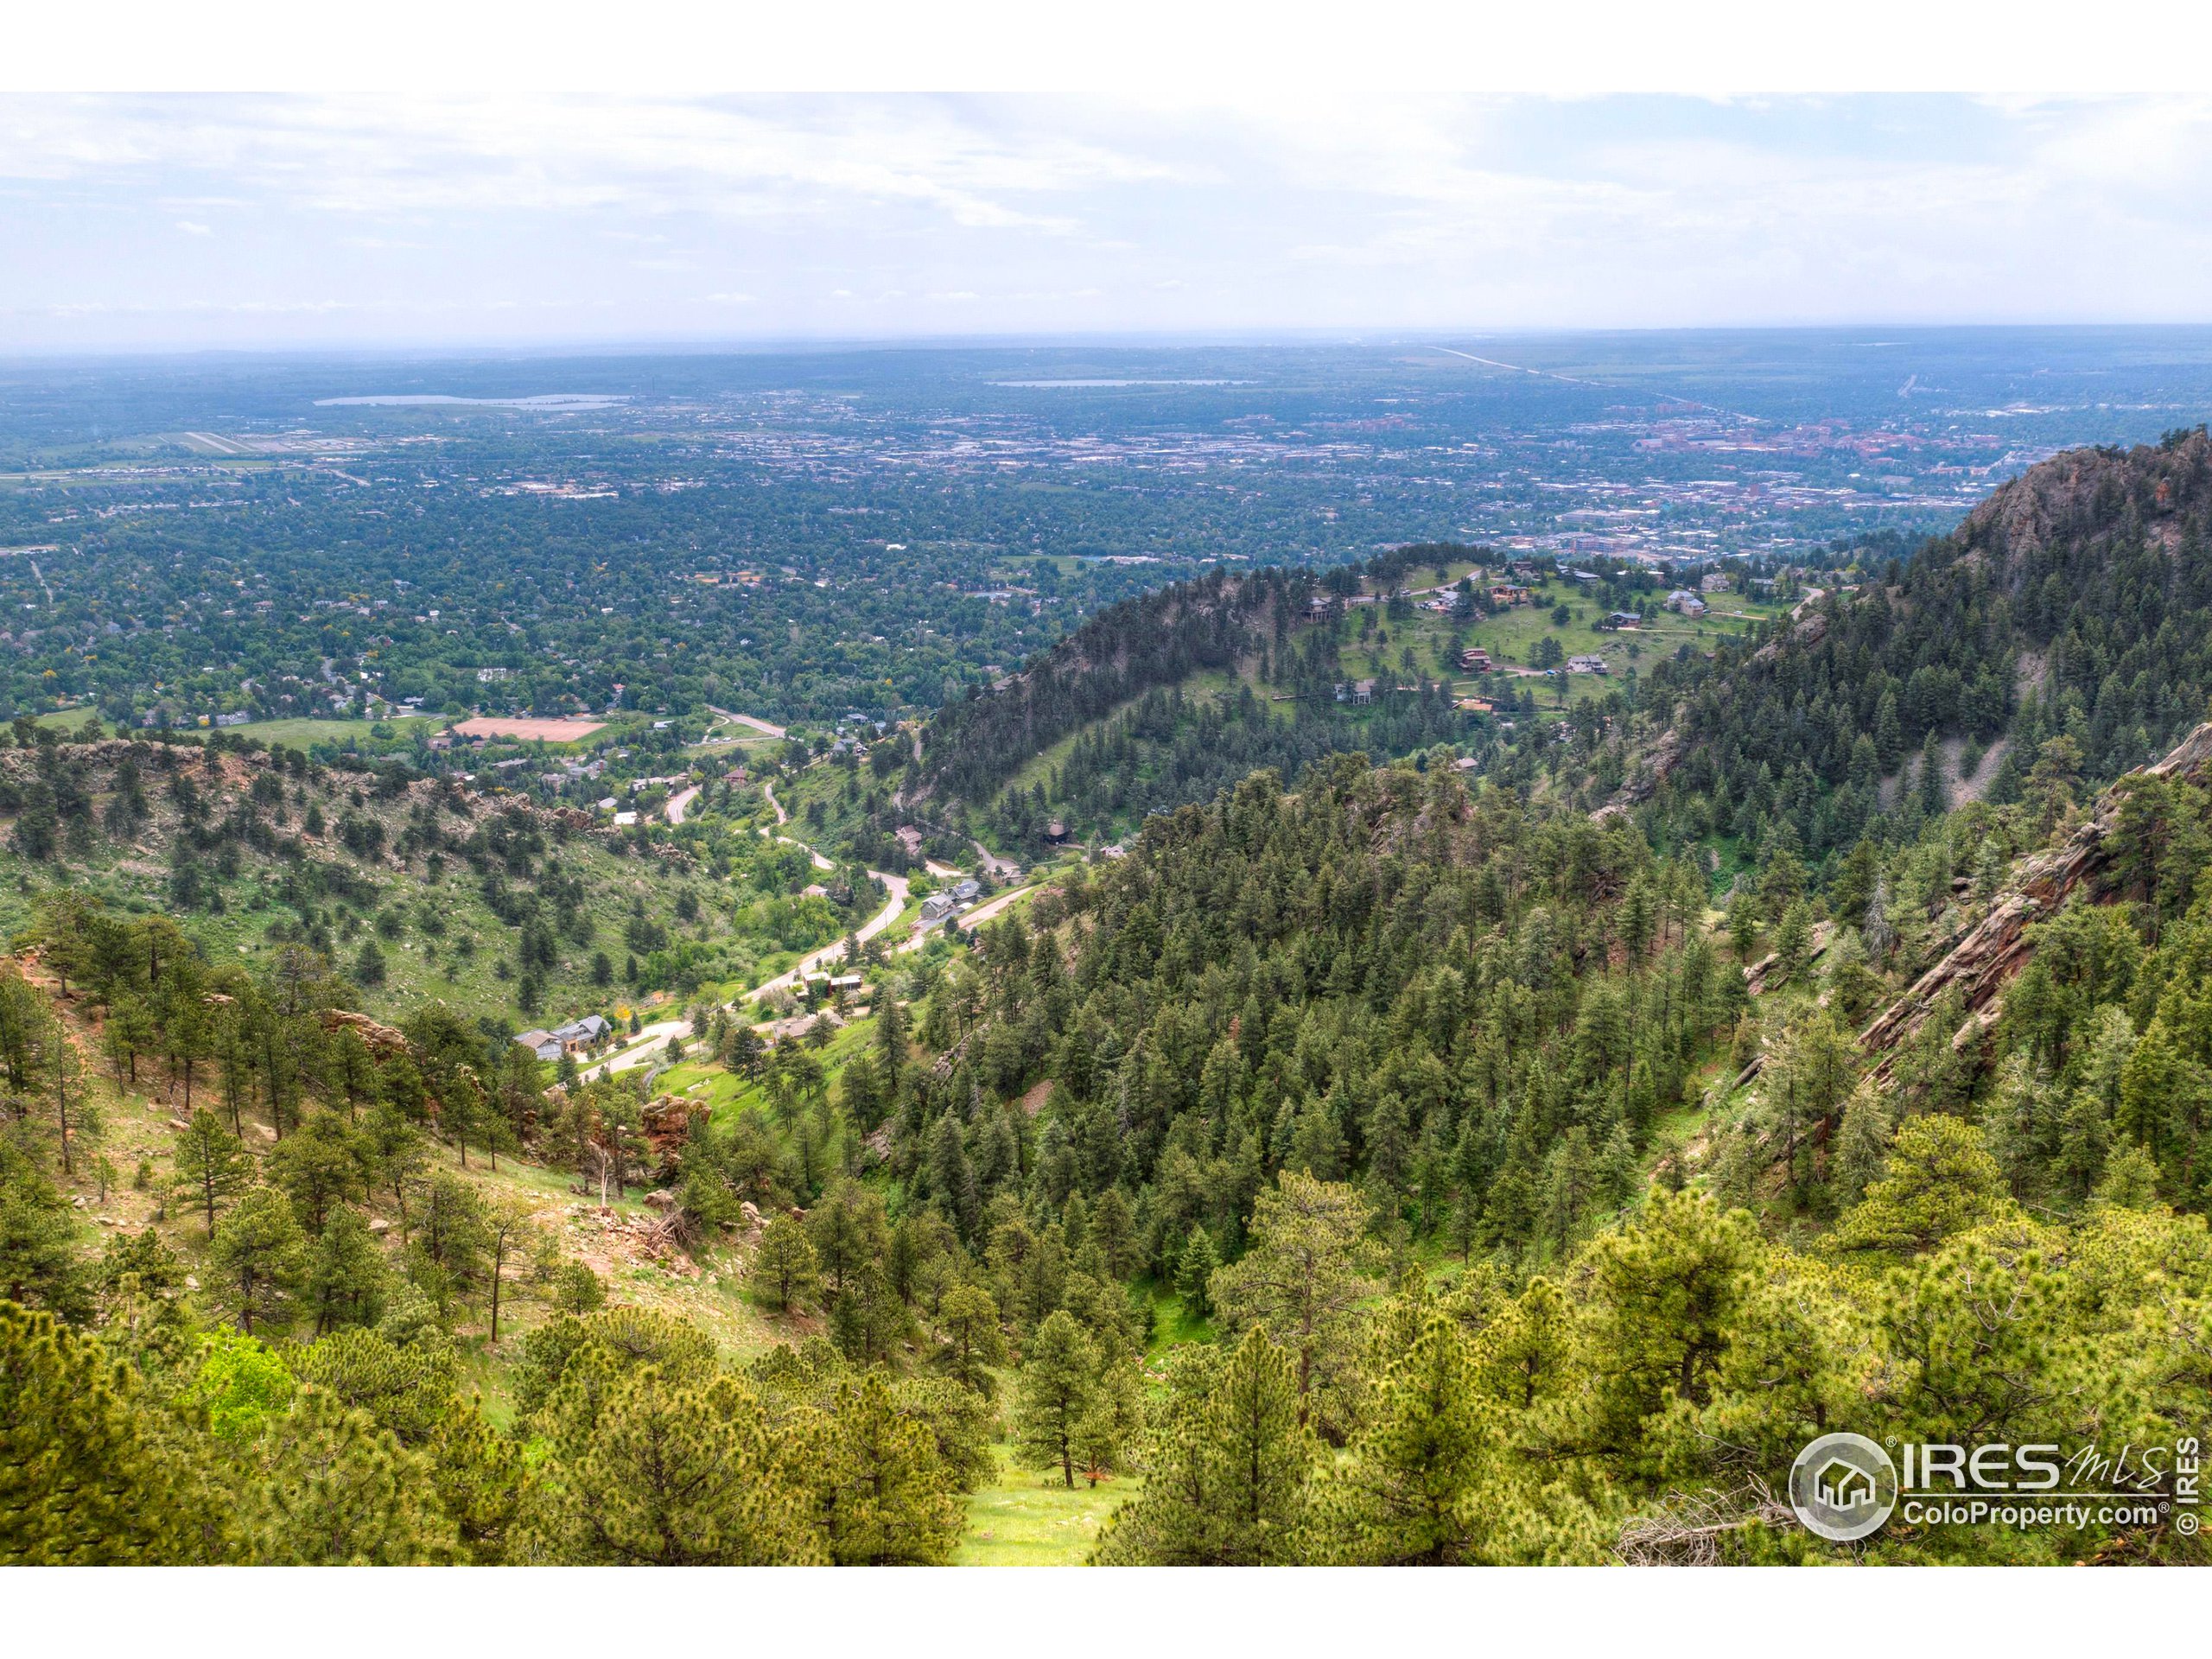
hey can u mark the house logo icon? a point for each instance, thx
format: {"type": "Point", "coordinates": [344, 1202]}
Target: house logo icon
{"type": "Point", "coordinates": [1843, 1487]}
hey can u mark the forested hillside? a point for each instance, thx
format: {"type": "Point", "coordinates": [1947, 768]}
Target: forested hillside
{"type": "Point", "coordinates": [2059, 635]}
{"type": "Point", "coordinates": [412, 886]}
{"type": "Point", "coordinates": [1386, 1162]}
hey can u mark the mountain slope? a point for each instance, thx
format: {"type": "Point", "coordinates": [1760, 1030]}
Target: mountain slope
{"type": "Point", "coordinates": [2074, 605]}
{"type": "Point", "coordinates": [413, 886]}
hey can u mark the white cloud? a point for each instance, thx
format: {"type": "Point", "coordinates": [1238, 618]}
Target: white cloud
{"type": "Point", "coordinates": [1255, 211]}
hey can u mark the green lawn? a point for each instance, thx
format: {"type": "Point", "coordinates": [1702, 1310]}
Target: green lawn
{"type": "Point", "coordinates": [276, 731]}
{"type": "Point", "coordinates": [1026, 1519]}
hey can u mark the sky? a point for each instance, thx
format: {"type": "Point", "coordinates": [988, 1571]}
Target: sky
{"type": "Point", "coordinates": [279, 222]}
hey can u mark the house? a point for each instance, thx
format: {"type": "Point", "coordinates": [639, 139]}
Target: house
{"type": "Point", "coordinates": [1356, 691]}
{"type": "Point", "coordinates": [845, 984]}
{"type": "Point", "coordinates": [1686, 602]}
{"type": "Point", "coordinates": [1507, 593]}
{"type": "Point", "coordinates": [1627, 619]}
{"type": "Point", "coordinates": [909, 837]}
{"type": "Point", "coordinates": [624, 820]}
{"type": "Point", "coordinates": [579, 1035]}
{"type": "Point", "coordinates": [966, 891]}
{"type": "Point", "coordinates": [936, 906]}
{"type": "Point", "coordinates": [1713, 582]}
{"type": "Point", "coordinates": [1056, 831]}
{"type": "Point", "coordinates": [1590, 664]}
{"type": "Point", "coordinates": [1587, 578]}
{"type": "Point", "coordinates": [544, 1044]}
{"type": "Point", "coordinates": [1475, 705]}
{"type": "Point", "coordinates": [1475, 660]}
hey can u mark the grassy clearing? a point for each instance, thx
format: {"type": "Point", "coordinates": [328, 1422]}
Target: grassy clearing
{"type": "Point", "coordinates": [1173, 1323]}
{"type": "Point", "coordinates": [1026, 1519]}
{"type": "Point", "coordinates": [301, 731]}
{"type": "Point", "coordinates": [1375, 643]}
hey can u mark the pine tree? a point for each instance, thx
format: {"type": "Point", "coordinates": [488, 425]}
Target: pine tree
{"type": "Point", "coordinates": [1309, 1273]}
{"type": "Point", "coordinates": [38, 1256]}
{"type": "Point", "coordinates": [345, 1275]}
{"type": "Point", "coordinates": [258, 1254]}
{"type": "Point", "coordinates": [1107, 1434]}
{"type": "Point", "coordinates": [478, 1476]}
{"type": "Point", "coordinates": [970, 1319]}
{"type": "Point", "coordinates": [785, 1264]}
{"type": "Point", "coordinates": [1194, 1273]}
{"type": "Point", "coordinates": [1861, 1144]}
{"type": "Point", "coordinates": [664, 1471]}
{"type": "Point", "coordinates": [336, 1490]}
{"type": "Point", "coordinates": [1412, 1490]}
{"type": "Point", "coordinates": [90, 1474]}
{"type": "Point", "coordinates": [2130, 1181]}
{"type": "Point", "coordinates": [1937, 1180]}
{"type": "Point", "coordinates": [1113, 1229]}
{"type": "Point", "coordinates": [1227, 1483]}
{"type": "Point", "coordinates": [876, 1491]}
{"type": "Point", "coordinates": [1058, 1378]}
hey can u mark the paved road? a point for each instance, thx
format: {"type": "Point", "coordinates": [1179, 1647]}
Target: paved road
{"type": "Point", "coordinates": [772, 730]}
{"type": "Point", "coordinates": [783, 818]}
{"type": "Point", "coordinates": [991, 907]}
{"type": "Point", "coordinates": [816, 961]}
{"type": "Point", "coordinates": [993, 862]}
{"type": "Point", "coordinates": [644, 1048]}
{"type": "Point", "coordinates": [678, 803]}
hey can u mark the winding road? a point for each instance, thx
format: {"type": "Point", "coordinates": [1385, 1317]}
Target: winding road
{"type": "Point", "coordinates": [645, 1047]}
{"type": "Point", "coordinates": [816, 961]}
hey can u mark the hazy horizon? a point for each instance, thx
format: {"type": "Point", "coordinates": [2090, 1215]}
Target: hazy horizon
{"type": "Point", "coordinates": [167, 224]}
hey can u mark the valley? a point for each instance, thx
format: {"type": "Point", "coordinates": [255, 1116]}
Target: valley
{"type": "Point", "coordinates": [739, 1037]}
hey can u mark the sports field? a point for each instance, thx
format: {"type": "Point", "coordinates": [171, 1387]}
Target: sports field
{"type": "Point", "coordinates": [564, 730]}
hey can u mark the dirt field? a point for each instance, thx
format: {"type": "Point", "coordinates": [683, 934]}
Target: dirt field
{"type": "Point", "coordinates": [551, 731]}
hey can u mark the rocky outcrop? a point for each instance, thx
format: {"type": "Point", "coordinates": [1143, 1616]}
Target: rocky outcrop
{"type": "Point", "coordinates": [384, 1041]}
{"type": "Point", "coordinates": [1984, 961]}
{"type": "Point", "coordinates": [2082, 492]}
{"type": "Point", "coordinates": [1643, 779]}
{"type": "Point", "coordinates": [666, 1120]}
{"type": "Point", "coordinates": [1809, 631]}
{"type": "Point", "coordinates": [1980, 964]}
